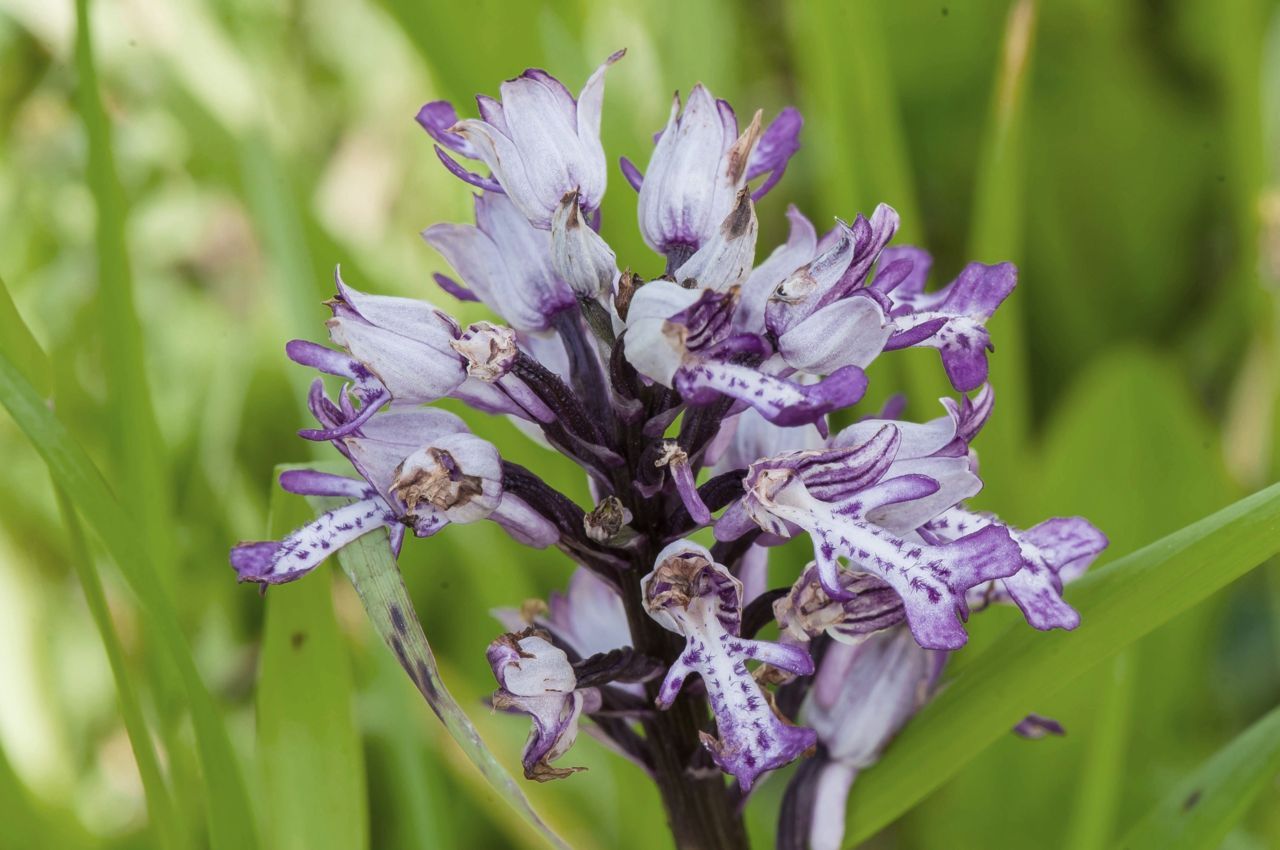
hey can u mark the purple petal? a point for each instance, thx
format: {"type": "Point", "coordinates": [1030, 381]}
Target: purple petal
{"type": "Point", "coordinates": [253, 559]}
{"type": "Point", "coordinates": [903, 269]}
{"type": "Point", "coordinates": [915, 334]}
{"type": "Point", "coordinates": [1035, 726]}
{"type": "Point", "coordinates": [331, 362]}
{"type": "Point", "coordinates": [590, 616]}
{"type": "Point", "coordinates": [631, 173]}
{"type": "Point", "coordinates": [438, 118]}
{"type": "Point", "coordinates": [309, 482]}
{"type": "Point", "coordinates": [489, 184]}
{"type": "Point", "coordinates": [779, 401]}
{"type": "Point", "coordinates": [684, 197]}
{"type": "Point", "coordinates": [677, 463]}
{"type": "Point", "coordinates": [1068, 544]}
{"type": "Point", "coordinates": [349, 426]}
{"type": "Point", "coordinates": [851, 332]}
{"type": "Point", "coordinates": [581, 258]}
{"type": "Point", "coordinates": [454, 288]}
{"type": "Point", "coordinates": [726, 255]}
{"type": "Point", "coordinates": [304, 549]}
{"type": "Point", "coordinates": [864, 693]}
{"type": "Point", "coordinates": [525, 525]}
{"type": "Point", "coordinates": [774, 150]}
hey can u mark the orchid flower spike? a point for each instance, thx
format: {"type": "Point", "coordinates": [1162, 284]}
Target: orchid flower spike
{"type": "Point", "coordinates": [694, 389]}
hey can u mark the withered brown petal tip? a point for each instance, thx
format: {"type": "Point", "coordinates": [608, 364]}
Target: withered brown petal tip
{"type": "Point", "coordinates": [739, 221]}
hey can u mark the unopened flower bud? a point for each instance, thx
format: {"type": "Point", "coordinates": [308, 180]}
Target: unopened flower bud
{"type": "Point", "coordinates": [581, 258]}
{"type": "Point", "coordinates": [608, 518]}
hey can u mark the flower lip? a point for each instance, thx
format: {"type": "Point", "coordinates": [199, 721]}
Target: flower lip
{"type": "Point", "coordinates": [688, 593]}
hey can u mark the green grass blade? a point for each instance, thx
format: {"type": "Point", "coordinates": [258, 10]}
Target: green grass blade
{"type": "Point", "coordinates": [16, 339]}
{"type": "Point", "coordinates": [376, 578]}
{"type": "Point", "coordinates": [230, 824]}
{"type": "Point", "coordinates": [26, 823]}
{"type": "Point", "coordinates": [858, 144]}
{"type": "Point", "coordinates": [1118, 604]}
{"type": "Point", "coordinates": [34, 365]}
{"type": "Point", "coordinates": [1202, 809]}
{"type": "Point", "coordinates": [163, 818]}
{"type": "Point", "coordinates": [422, 814]}
{"type": "Point", "coordinates": [1100, 792]}
{"type": "Point", "coordinates": [131, 421]}
{"type": "Point", "coordinates": [996, 236]}
{"type": "Point", "coordinates": [308, 742]}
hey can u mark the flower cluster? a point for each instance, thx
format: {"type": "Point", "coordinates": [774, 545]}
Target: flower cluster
{"type": "Point", "coordinates": [714, 368]}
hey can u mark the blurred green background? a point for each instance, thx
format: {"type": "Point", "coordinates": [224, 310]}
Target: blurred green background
{"type": "Point", "coordinates": [1127, 157]}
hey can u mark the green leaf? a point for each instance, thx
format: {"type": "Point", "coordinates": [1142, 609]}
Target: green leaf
{"type": "Point", "coordinates": [308, 742]}
{"type": "Point", "coordinates": [1203, 808]}
{"type": "Point", "coordinates": [137, 453]}
{"type": "Point", "coordinates": [230, 823]}
{"type": "Point", "coordinates": [16, 339]}
{"type": "Point", "coordinates": [163, 817]}
{"type": "Point", "coordinates": [376, 578]}
{"type": "Point", "coordinates": [1093, 819]}
{"type": "Point", "coordinates": [422, 813]}
{"type": "Point", "coordinates": [1118, 604]}
{"type": "Point", "coordinates": [996, 236]}
{"type": "Point", "coordinates": [859, 146]}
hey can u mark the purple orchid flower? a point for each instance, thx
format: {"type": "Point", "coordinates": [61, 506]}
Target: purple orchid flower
{"type": "Point", "coordinates": [506, 262]}
{"type": "Point", "coordinates": [836, 497]}
{"type": "Point", "coordinates": [684, 338]}
{"type": "Point", "coordinates": [700, 164]}
{"type": "Point", "coordinates": [837, 273]}
{"type": "Point", "coordinates": [690, 594]}
{"type": "Point", "coordinates": [421, 469]}
{"type": "Point", "coordinates": [535, 678]}
{"type": "Point", "coordinates": [953, 319]}
{"type": "Point", "coordinates": [540, 143]}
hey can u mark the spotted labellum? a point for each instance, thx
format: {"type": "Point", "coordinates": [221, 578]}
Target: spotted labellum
{"type": "Point", "coordinates": [712, 397]}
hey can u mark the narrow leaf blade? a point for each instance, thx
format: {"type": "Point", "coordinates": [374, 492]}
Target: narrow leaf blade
{"type": "Point", "coordinates": [1203, 808]}
{"type": "Point", "coordinates": [130, 411]}
{"type": "Point", "coordinates": [376, 578]}
{"type": "Point", "coordinates": [160, 809]}
{"type": "Point", "coordinates": [230, 825]}
{"type": "Point", "coordinates": [16, 339]}
{"type": "Point", "coordinates": [308, 741]}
